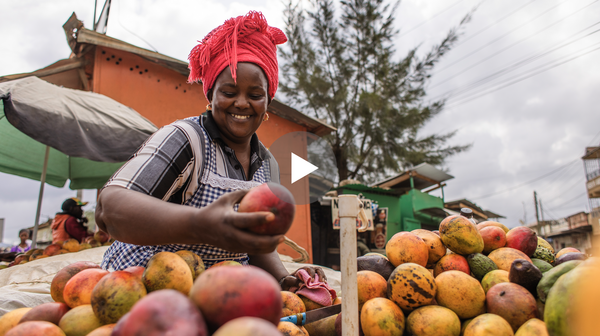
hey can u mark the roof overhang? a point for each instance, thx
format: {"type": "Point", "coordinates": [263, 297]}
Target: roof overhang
{"type": "Point", "coordinates": [424, 175]}
{"type": "Point", "coordinates": [312, 125]}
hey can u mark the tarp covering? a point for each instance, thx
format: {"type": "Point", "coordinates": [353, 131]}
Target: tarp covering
{"type": "Point", "coordinates": [28, 285]}
{"type": "Point", "coordinates": [82, 129]}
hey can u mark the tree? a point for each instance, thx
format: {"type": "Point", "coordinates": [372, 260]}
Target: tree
{"type": "Point", "coordinates": [342, 70]}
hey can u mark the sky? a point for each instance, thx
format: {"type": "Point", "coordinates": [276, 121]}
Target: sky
{"type": "Point", "coordinates": [521, 87]}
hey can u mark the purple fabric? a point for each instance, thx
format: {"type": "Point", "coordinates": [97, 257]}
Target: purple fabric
{"type": "Point", "coordinates": [18, 249]}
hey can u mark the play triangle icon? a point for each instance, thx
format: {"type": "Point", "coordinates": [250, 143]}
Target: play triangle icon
{"type": "Point", "coordinates": [301, 168]}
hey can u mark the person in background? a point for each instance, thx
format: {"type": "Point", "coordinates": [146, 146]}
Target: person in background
{"type": "Point", "coordinates": [70, 222]}
{"type": "Point", "coordinates": [23, 246]}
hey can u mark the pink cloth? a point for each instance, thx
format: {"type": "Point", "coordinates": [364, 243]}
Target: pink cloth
{"type": "Point", "coordinates": [315, 290]}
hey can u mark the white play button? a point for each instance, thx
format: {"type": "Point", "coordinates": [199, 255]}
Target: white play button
{"type": "Point", "coordinates": [301, 168]}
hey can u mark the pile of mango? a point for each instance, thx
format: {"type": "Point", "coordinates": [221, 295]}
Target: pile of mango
{"type": "Point", "coordinates": [173, 295]}
{"type": "Point", "coordinates": [466, 279]}
{"type": "Point", "coordinates": [472, 280]}
{"type": "Point", "coordinates": [69, 246]}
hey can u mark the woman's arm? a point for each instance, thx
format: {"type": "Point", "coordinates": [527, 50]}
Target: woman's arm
{"type": "Point", "coordinates": [136, 218]}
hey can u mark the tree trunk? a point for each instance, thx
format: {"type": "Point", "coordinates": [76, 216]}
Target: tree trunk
{"type": "Point", "coordinates": [342, 162]}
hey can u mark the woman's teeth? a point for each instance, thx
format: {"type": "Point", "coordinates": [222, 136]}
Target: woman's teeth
{"type": "Point", "coordinates": [236, 116]}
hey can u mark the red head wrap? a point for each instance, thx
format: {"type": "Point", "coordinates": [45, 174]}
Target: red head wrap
{"type": "Point", "coordinates": [245, 38]}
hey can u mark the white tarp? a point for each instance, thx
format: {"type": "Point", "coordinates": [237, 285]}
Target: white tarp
{"type": "Point", "coordinates": [28, 285]}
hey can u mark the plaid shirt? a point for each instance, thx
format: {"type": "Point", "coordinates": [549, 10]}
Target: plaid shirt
{"type": "Point", "coordinates": [158, 167]}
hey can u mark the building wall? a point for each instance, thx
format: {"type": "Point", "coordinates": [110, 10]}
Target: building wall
{"type": "Point", "coordinates": [580, 241]}
{"type": "Point", "coordinates": [163, 96]}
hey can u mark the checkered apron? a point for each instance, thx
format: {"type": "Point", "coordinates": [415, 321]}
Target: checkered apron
{"type": "Point", "coordinates": [214, 184]}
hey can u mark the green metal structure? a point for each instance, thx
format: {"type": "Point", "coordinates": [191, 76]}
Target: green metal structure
{"type": "Point", "coordinates": [409, 205]}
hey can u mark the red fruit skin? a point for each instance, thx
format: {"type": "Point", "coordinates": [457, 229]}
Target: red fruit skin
{"type": "Point", "coordinates": [512, 302]}
{"type": "Point", "coordinates": [138, 271]}
{"type": "Point", "coordinates": [452, 262]}
{"type": "Point", "coordinates": [78, 290]}
{"type": "Point", "coordinates": [493, 238]}
{"type": "Point", "coordinates": [64, 275]}
{"type": "Point", "coordinates": [228, 292]}
{"type": "Point", "coordinates": [162, 312]}
{"type": "Point", "coordinates": [50, 312]}
{"type": "Point", "coordinates": [274, 198]}
{"type": "Point", "coordinates": [523, 239]}
{"type": "Point", "coordinates": [35, 328]}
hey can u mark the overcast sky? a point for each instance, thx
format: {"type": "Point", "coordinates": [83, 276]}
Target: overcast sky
{"type": "Point", "coordinates": [522, 84]}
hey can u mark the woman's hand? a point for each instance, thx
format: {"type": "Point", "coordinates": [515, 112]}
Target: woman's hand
{"type": "Point", "coordinates": [229, 230]}
{"type": "Point", "coordinates": [292, 281]}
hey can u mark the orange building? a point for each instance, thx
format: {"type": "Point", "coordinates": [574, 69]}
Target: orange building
{"type": "Point", "coordinates": [155, 85]}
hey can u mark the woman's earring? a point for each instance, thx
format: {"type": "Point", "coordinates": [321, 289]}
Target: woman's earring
{"type": "Point", "coordinates": [266, 117]}
{"type": "Point", "coordinates": [209, 107]}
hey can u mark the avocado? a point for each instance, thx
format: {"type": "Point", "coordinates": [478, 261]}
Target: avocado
{"type": "Point", "coordinates": [524, 273]}
{"type": "Point", "coordinates": [552, 275]}
{"type": "Point", "coordinates": [541, 265]}
{"type": "Point", "coordinates": [570, 256]}
{"type": "Point", "coordinates": [375, 263]}
{"type": "Point", "coordinates": [480, 265]}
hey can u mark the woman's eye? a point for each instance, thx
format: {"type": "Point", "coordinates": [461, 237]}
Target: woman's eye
{"type": "Point", "coordinates": [256, 96]}
{"type": "Point", "coordinates": [228, 94]}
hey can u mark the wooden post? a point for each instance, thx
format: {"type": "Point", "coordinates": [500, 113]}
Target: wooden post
{"type": "Point", "coordinates": [349, 208]}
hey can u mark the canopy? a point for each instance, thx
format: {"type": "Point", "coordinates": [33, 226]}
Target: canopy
{"type": "Point", "coordinates": [90, 134]}
{"type": "Point", "coordinates": [54, 134]}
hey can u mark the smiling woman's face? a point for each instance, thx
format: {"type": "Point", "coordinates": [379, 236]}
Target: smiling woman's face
{"type": "Point", "coordinates": [238, 109]}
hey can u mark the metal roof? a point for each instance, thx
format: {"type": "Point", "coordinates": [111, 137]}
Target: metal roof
{"type": "Point", "coordinates": [424, 175]}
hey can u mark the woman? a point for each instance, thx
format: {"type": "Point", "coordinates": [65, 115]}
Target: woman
{"type": "Point", "coordinates": [22, 247]}
{"type": "Point", "coordinates": [205, 163]}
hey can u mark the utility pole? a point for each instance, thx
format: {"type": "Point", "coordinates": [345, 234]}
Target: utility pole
{"type": "Point", "coordinates": [537, 213]}
{"type": "Point", "coordinates": [544, 225]}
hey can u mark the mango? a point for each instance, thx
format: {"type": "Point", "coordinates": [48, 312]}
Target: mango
{"type": "Point", "coordinates": [533, 327]}
{"type": "Point", "coordinates": [512, 302]}
{"type": "Point", "coordinates": [434, 244]}
{"type": "Point", "coordinates": [460, 235]}
{"type": "Point", "coordinates": [406, 247]}
{"type": "Point", "coordinates": [115, 294]}
{"type": "Point", "coordinates": [167, 270]}
{"type": "Point", "coordinates": [79, 321]}
{"type": "Point", "coordinates": [50, 312]}
{"type": "Point", "coordinates": [504, 257]}
{"type": "Point", "coordinates": [162, 312]}
{"type": "Point", "coordinates": [323, 327]}
{"type": "Point", "coordinates": [433, 320]}
{"type": "Point", "coordinates": [64, 275]}
{"type": "Point", "coordinates": [194, 262]}
{"type": "Point", "coordinates": [380, 316]}
{"type": "Point", "coordinates": [488, 325]}
{"type": "Point", "coordinates": [247, 326]}
{"type": "Point", "coordinates": [411, 286]}
{"type": "Point", "coordinates": [228, 292]}
{"type": "Point", "coordinates": [289, 329]}
{"type": "Point", "coordinates": [78, 290]}
{"type": "Point", "coordinates": [292, 304]}
{"type": "Point", "coordinates": [11, 319]}
{"type": "Point", "coordinates": [370, 285]}
{"type": "Point", "coordinates": [71, 245]}
{"type": "Point", "coordinates": [35, 328]}
{"type": "Point", "coordinates": [460, 293]}
{"type": "Point", "coordinates": [105, 330]}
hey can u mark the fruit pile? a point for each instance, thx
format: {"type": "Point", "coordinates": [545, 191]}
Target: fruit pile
{"type": "Point", "coordinates": [172, 295]}
{"type": "Point", "coordinates": [466, 279]}
{"type": "Point", "coordinates": [471, 280]}
{"type": "Point", "coordinates": [100, 238]}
